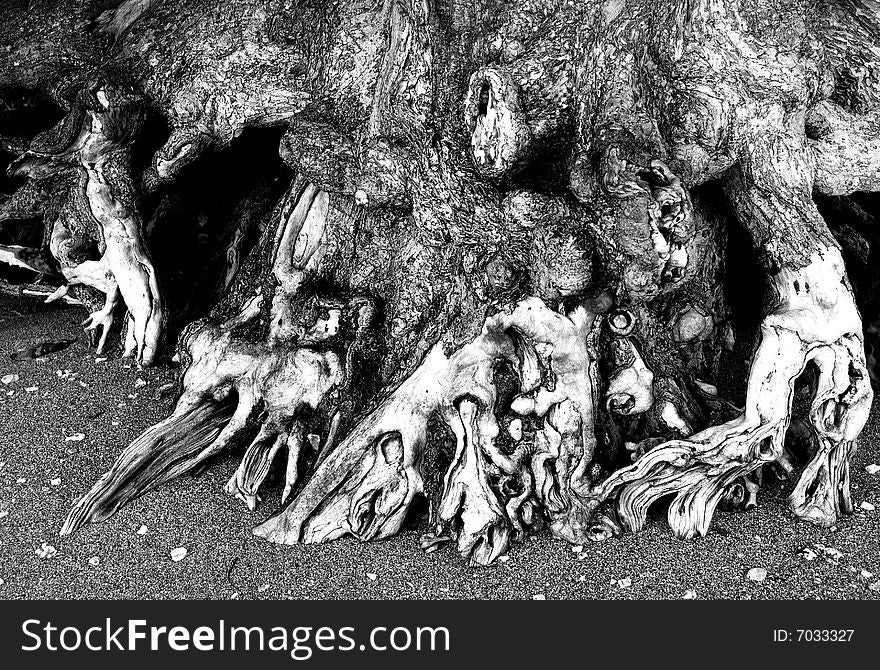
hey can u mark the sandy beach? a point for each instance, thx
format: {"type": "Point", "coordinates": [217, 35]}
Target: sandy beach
{"type": "Point", "coordinates": [42, 472]}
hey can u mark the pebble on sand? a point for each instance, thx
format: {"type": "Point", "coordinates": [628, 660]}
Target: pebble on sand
{"type": "Point", "coordinates": [624, 583]}
{"type": "Point", "coordinates": [757, 574]}
{"type": "Point", "coordinates": [832, 555]}
{"type": "Point", "coordinates": [56, 481]}
{"type": "Point", "coordinates": [872, 469]}
{"type": "Point", "coordinates": [539, 596]}
{"type": "Point", "coordinates": [808, 554]}
{"type": "Point", "coordinates": [9, 379]}
{"type": "Point", "coordinates": [94, 560]}
{"type": "Point", "coordinates": [178, 554]}
{"type": "Point", "coordinates": [143, 530]}
{"type": "Point", "coordinates": [690, 594]}
{"type": "Point", "coordinates": [868, 507]}
{"type": "Point", "coordinates": [372, 576]}
{"type": "Point", "coordinates": [76, 437]}
{"type": "Point", "coordinates": [46, 551]}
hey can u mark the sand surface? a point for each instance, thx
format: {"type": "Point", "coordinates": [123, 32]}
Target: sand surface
{"type": "Point", "coordinates": [41, 474]}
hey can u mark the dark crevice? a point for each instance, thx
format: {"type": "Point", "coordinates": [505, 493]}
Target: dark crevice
{"type": "Point", "coordinates": [192, 221]}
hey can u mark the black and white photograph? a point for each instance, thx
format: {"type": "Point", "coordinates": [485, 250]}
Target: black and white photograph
{"type": "Point", "coordinates": [438, 300]}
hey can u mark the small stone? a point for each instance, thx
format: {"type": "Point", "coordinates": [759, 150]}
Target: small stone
{"type": "Point", "coordinates": [832, 555]}
{"type": "Point", "coordinates": [76, 437]}
{"type": "Point", "coordinates": [624, 583]}
{"type": "Point", "coordinates": [690, 594]}
{"type": "Point", "coordinates": [757, 574]}
{"type": "Point", "coordinates": [872, 469]}
{"type": "Point", "coordinates": [578, 548]}
{"type": "Point", "coordinates": [139, 383]}
{"type": "Point", "coordinates": [539, 596]}
{"type": "Point", "coordinates": [504, 558]}
{"type": "Point", "coordinates": [9, 379]}
{"type": "Point", "coordinates": [866, 575]}
{"type": "Point", "coordinates": [868, 507]}
{"type": "Point", "coordinates": [56, 481]}
{"type": "Point", "coordinates": [143, 530]}
{"type": "Point", "coordinates": [100, 359]}
{"type": "Point", "coordinates": [46, 551]}
{"type": "Point", "coordinates": [114, 423]}
{"type": "Point", "coordinates": [31, 389]}
{"type": "Point", "coordinates": [94, 560]}
{"type": "Point", "coordinates": [372, 576]}
{"type": "Point", "coordinates": [2, 582]}
{"type": "Point", "coordinates": [21, 480]}
{"type": "Point", "coordinates": [178, 554]}
{"type": "Point", "coordinates": [808, 554]}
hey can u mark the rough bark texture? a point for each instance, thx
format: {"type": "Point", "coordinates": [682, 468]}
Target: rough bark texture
{"type": "Point", "coordinates": [491, 266]}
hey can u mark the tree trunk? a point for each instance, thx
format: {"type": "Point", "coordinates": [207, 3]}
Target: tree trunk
{"type": "Point", "coordinates": [494, 268]}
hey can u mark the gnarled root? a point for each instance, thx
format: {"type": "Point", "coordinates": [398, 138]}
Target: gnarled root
{"type": "Point", "coordinates": [159, 454]}
{"type": "Point", "coordinates": [281, 378]}
{"type": "Point", "coordinates": [838, 413]}
{"type": "Point", "coordinates": [97, 275]}
{"type": "Point", "coordinates": [819, 326]}
{"type": "Point", "coordinates": [94, 142]}
{"type": "Point", "coordinates": [365, 486]}
{"type": "Point", "coordinates": [228, 383]}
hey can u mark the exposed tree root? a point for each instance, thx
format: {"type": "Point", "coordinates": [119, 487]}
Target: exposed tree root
{"type": "Point", "coordinates": [278, 378]}
{"type": "Point", "coordinates": [558, 235]}
{"type": "Point", "coordinates": [819, 326]}
{"type": "Point", "coordinates": [365, 486]}
{"type": "Point", "coordinates": [93, 142]}
{"type": "Point", "coordinates": [163, 452]}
